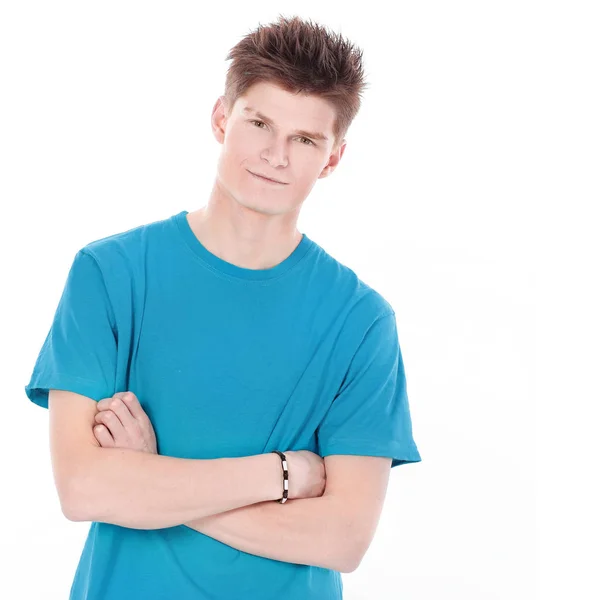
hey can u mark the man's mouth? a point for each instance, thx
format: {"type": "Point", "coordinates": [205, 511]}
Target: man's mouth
{"type": "Point", "coordinates": [267, 179]}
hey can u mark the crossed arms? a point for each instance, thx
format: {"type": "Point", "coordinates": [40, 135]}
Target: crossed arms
{"type": "Point", "coordinates": [230, 500]}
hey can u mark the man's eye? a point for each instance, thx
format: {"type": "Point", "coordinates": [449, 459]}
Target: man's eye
{"type": "Point", "coordinates": [310, 142]}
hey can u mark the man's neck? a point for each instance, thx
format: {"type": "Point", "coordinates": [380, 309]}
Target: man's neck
{"type": "Point", "coordinates": [242, 244]}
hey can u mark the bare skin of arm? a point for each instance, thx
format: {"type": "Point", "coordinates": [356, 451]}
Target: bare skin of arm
{"type": "Point", "coordinates": [145, 490]}
{"type": "Point", "coordinates": [311, 531]}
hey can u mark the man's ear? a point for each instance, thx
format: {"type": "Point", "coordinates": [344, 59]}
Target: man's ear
{"type": "Point", "coordinates": [219, 118]}
{"type": "Point", "coordinates": [334, 160]}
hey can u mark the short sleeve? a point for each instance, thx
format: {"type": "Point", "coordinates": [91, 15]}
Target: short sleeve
{"type": "Point", "coordinates": [79, 353]}
{"type": "Point", "coordinates": [370, 413]}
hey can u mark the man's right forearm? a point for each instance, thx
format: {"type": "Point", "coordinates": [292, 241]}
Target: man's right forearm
{"type": "Point", "coordinates": [150, 491]}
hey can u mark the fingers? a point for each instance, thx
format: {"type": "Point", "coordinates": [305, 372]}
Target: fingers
{"type": "Point", "coordinates": [126, 421]}
{"type": "Point", "coordinates": [113, 424]}
{"type": "Point", "coordinates": [133, 404]}
{"type": "Point", "coordinates": [103, 436]}
{"type": "Point", "coordinates": [120, 409]}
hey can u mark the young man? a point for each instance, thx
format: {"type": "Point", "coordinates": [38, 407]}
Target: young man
{"type": "Point", "coordinates": [203, 342]}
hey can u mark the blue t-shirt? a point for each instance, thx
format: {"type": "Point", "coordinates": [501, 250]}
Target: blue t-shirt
{"type": "Point", "coordinates": [227, 362]}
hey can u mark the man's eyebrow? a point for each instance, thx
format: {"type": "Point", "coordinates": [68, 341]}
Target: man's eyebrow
{"type": "Point", "coordinates": [309, 134]}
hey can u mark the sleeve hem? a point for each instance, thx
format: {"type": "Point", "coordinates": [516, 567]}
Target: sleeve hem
{"type": "Point", "coordinates": [38, 389]}
{"type": "Point", "coordinates": [399, 453]}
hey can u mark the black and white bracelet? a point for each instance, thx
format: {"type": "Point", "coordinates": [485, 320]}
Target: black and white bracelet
{"type": "Point", "coordinates": [285, 476]}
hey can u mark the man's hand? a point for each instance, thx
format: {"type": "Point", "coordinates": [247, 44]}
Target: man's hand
{"type": "Point", "coordinates": [122, 423]}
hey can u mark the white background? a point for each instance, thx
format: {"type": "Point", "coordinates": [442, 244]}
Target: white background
{"type": "Point", "coordinates": [465, 197]}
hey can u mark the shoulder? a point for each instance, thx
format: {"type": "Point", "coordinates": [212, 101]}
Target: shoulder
{"type": "Point", "coordinates": [123, 253]}
{"type": "Point", "coordinates": [363, 303]}
{"type": "Point", "coordinates": [117, 263]}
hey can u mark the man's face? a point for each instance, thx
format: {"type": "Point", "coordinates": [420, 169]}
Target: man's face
{"type": "Point", "coordinates": [251, 144]}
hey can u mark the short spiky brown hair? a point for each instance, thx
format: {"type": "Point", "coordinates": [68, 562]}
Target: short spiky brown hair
{"type": "Point", "coordinates": [300, 57]}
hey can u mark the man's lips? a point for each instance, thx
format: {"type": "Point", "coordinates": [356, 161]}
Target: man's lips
{"type": "Point", "coordinates": [266, 178]}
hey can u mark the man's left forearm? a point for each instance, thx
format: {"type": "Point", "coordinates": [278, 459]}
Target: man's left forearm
{"type": "Point", "coordinates": [308, 531]}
